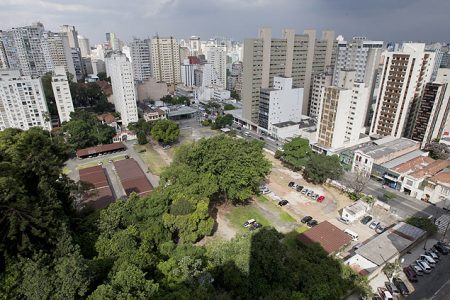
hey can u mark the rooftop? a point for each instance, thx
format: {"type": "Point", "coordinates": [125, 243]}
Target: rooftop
{"type": "Point", "coordinates": [390, 147]}
{"type": "Point", "coordinates": [100, 149]}
{"type": "Point", "coordinates": [101, 195]}
{"type": "Point", "coordinates": [412, 165]}
{"type": "Point", "coordinates": [443, 177]}
{"type": "Point", "coordinates": [390, 243]}
{"type": "Point", "coordinates": [181, 110]}
{"type": "Point", "coordinates": [327, 235]}
{"type": "Point", "coordinates": [286, 124]}
{"type": "Point", "coordinates": [132, 177]}
{"type": "Point", "coordinates": [357, 207]}
{"type": "Point", "coordinates": [432, 169]}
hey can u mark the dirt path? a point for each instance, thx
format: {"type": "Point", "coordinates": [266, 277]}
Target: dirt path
{"type": "Point", "coordinates": [272, 214]}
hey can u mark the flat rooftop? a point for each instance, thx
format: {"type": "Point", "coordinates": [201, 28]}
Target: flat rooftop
{"type": "Point", "coordinates": [181, 111]}
{"type": "Point", "coordinates": [379, 151]}
{"type": "Point", "coordinates": [416, 155]}
{"type": "Point", "coordinates": [286, 124]}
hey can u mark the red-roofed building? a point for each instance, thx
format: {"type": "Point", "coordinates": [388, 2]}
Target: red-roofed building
{"type": "Point", "coordinates": [331, 238]}
{"type": "Point", "coordinates": [132, 177]}
{"type": "Point", "coordinates": [101, 195]}
{"type": "Point", "coordinates": [100, 149]}
{"type": "Point", "coordinates": [437, 189]}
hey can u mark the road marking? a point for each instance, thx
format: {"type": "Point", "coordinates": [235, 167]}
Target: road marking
{"type": "Point", "coordinates": [443, 286]}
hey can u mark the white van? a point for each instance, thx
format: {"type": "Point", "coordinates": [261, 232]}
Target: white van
{"type": "Point", "coordinates": [352, 234]}
{"type": "Point", "coordinates": [424, 266]}
{"type": "Point", "coordinates": [429, 260]}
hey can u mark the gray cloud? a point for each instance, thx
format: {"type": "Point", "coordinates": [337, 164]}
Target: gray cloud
{"type": "Point", "coordinates": [390, 20]}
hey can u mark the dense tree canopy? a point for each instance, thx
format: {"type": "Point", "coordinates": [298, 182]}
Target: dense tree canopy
{"type": "Point", "coordinates": [222, 121]}
{"type": "Point", "coordinates": [142, 129]}
{"type": "Point", "coordinates": [176, 100]}
{"type": "Point", "coordinates": [295, 153]}
{"type": "Point", "coordinates": [165, 131]}
{"type": "Point", "coordinates": [321, 167]}
{"type": "Point", "coordinates": [437, 150]}
{"type": "Point", "coordinates": [237, 165]}
{"type": "Point", "coordinates": [423, 223]}
{"type": "Point", "coordinates": [85, 130]}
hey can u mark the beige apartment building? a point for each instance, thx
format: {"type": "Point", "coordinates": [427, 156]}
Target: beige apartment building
{"type": "Point", "coordinates": [166, 60]}
{"type": "Point", "coordinates": [299, 56]}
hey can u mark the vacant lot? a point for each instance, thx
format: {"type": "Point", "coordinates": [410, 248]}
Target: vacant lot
{"type": "Point", "coordinates": [151, 158]}
{"type": "Point", "coordinates": [237, 215]}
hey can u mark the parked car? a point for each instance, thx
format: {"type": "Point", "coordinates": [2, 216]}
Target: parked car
{"type": "Point", "coordinates": [401, 286]}
{"type": "Point", "coordinates": [264, 190]}
{"type": "Point", "coordinates": [424, 266]}
{"type": "Point", "coordinates": [255, 226]}
{"type": "Point", "coordinates": [306, 219]}
{"type": "Point", "coordinates": [239, 128]}
{"type": "Point", "coordinates": [441, 248]}
{"type": "Point", "coordinates": [249, 222]}
{"type": "Point", "coordinates": [247, 133]}
{"type": "Point", "coordinates": [312, 223]}
{"type": "Point", "coordinates": [391, 288]}
{"type": "Point", "coordinates": [433, 254]}
{"type": "Point", "coordinates": [299, 188]}
{"type": "Point", "coordinates": [315, 197]}
{"type": "Point", "coordinates": [305, 191]}
{"type": "Point", "coordinates": [166, 147]}
{"type": "Point", "coordinates": [385, 294]}
{"type": "Point", "coordinates": [366, 220]}
{"type": "Point", "coordinates": [428, 259]}
{"type": "Point", "coordinates": [321, 199]}
{"type": "Point", "coordinates": [283, 202]}
{"type": "Point", "coordinates": [344, 220]}
{"type": "Point", "coordinates": [310, 193]}
{"type": "Point", "coordinates": [376, 297]}
{"type": "Point", "coordinates": [357, 246]}
{"type": "Point", "coordinates": [261, 138]}
{"type": "Point", "coordinates": [380, 229]}
{"type": "Point", "coordinates": [374, 224]}
{"type": "Point", "coordinates": [418, 270]}
{"type": "Point", "coordinates": [410, 274]}
{"type": "Point", "coordinates": [291, 184]}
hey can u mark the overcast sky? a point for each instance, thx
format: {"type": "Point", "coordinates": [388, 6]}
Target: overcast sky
{"type": "Point", "coordinates": [388, 20]}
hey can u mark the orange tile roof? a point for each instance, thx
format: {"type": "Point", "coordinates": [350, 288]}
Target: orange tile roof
{"type": "Point", "coordinates": [441, 177]}
{"type": "Point", "coordinates": [432, 169]}
{"type": "Point", "coordinates": [414, 164]}
{"type": "Point", "coordinates": [327, 235]}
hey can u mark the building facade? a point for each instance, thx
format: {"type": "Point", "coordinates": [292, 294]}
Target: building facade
{"type": "Point", "coordinates": [320, 81]}
{"type": "Point", "coordinates": [140, 52]}
{"type": "Point", "coordinates": [217, 57]}
{"type": "Point", "coordinates": [61, 92]}
{"type": "Point", "coordinates": [85, 49]}
{"type": "Point", "coordinates": [22, 102]}
{"type": "Point", "coordinates": [293, 55]}
{"type": "Point", "coordinates": [403, 79]}
{"type": "Point", "coordinates": [166, 59]}
{"type": "Point", "coordinates": [119, 68]}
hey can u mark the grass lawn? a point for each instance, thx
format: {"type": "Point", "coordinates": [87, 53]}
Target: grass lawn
{"type": "Point", "coordinates": [66, 170]}
{"type": "Point", "coordinates": [104, 161]}
{"type": "Point", "coordinates": [151, 158]}
{"type": "Point", "coordinates": [239, 214]}
{"type": "Point", "coordinates": [302, 229]}
{"type": "Point", "coordinates": [284, 216]}
{"type": "Point", "coordinates": [262, 199]}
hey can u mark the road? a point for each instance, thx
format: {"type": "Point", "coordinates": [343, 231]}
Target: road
{"type": "Point", "coordinates": [403, 205]}
{"type": "Point", "coordinates": [269, 143]}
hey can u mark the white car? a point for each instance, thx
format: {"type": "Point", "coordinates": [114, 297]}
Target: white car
{"type": "Point", "coordinates": [249, 222]}
{"type": "Point", "coordinates": [374, 224]}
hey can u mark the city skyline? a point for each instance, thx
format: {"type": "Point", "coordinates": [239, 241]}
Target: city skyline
{"type": "Point", "coordinates": [184, 18]}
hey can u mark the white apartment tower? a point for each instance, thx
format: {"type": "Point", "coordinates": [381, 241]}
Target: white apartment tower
{"type": "Point", "coordinates": [85, 49]}
{"type": "Point", "coordinates": [342, 113]}
{"type": "Point", "coordinates": [217, 56]}
{"type": "Point", "coordinates": [187, 73]}
{"type": "Point", "coordinates": [72, 34]}
{"type": "Point", "coordinates": [294, 55]}
{"type": "Point", "coordinates": [26, 49]}
{"type": "Point", "coordinates": [166, 60]}
{"type": "Point", "coordinates": [194, 45]}
{"type": "Point", "coordinates": [22, 102]}
{"type": "Point", "coordinates": [60, 52]}
{"type": "Point", "coordinates": [320, 81]}
{"type": "Point", "coordinates": [119, 68]}
{"type": "Point", "coordinates": [3, 60]}
{"type": "Point", "coordinates": [61, 92]}
{"type": "Point", "coordinates": [403, 78]}
{"type": "Point", "coordinates": [141, 59]}
{"type": "Point", "coordinates": [282, 103]}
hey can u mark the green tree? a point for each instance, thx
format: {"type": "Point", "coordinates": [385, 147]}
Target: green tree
{"type": "Point", "coordinates": [165, 131]}
{"type": "Point", "coordinates": [321, 167]}
{"type": "Point", "coordinates": [237, 166]}
{"type": "Point", "coordinates": [228, 107]}
{"type": "Point", "coordinates": [423, 223]}
{"type": "Point", "coordinates": [222, 121]}
{"type": "Point", "coordinates": [103, 76]}
{"type": "Point", "coordinates": [142, 130]}
{"type": "Point", "coordinates": [295, 153]}
{"type": "Point", "coordinates": [437, 150]}
{"type": "Point", "coordinates": [48, 92]}
{"type": "Point", "coordinates": [235, 95]}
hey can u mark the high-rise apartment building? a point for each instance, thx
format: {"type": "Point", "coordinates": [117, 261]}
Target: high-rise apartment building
{"type": "Point", "coordinates": [194, 45]}
{"type": "Point", "coordinates": [3, 60]}
{"type": "Point", "coordinates": [61, 92]}
{"type": "Point", "coordinates": [281, 103]}
{"type": "Point", "coordinates": [217, 56]}
{"type": "Point", "coordinates": [342, 113]}
{"type": "Point", "coordinates": [26, 49]}
{"type": "Point", "coordinates": [320, 81]}
{"type": "Point", "coordinates": [187, 73]}
{"type": "Point", "coordinates": [85, 49]}
{"type": "Point", "coordinates": [72, 35]}
{"type": "Point", "coordinates": [433, 109]}
{"type": "Point", "coordinates": [293, 55]}
{"type": "Point", "coordinates": [404, 75]}
{"type": "Point", "coordinates": [360, 55]}
{"type": "Point", "coordinates": [166, 60]}
{"type": "Point", "coordinates": [140, 52]}
{"type": "Point", "coordinates": [60, 52]}
{"type": "Point", "coordinates": [22, 102]}
{"type": "Point", "coordinates": [119, 68]}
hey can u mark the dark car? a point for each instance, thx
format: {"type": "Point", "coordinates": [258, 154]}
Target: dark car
{"type": "Point", "coordinates": [401, 286]}
{"type": "Point", "coordinates": [291, 184]}
{"type": "Point", "coordinates": [261, 138]}
{"type": "Point", "coordinates": [410, 274]}
{"type": "Point", "coordinates": [239, 128]}
{"type": "Point", "coordinates": [306, 219]}
{"type": "Point", "coordinates": [312, 223]}
{"type": "Point", "coordinates": [366, 220]}
{"type": "Point", "coordinates": [256, 225]}
{"type": "Point", "coordinates": [283, 202]}
{"type": "Point", "coordinates": [299, 188]}
{"type": "Point", "coordinates": [439, 247]}
{"type": "Point", "coordinates": [376, 297]}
